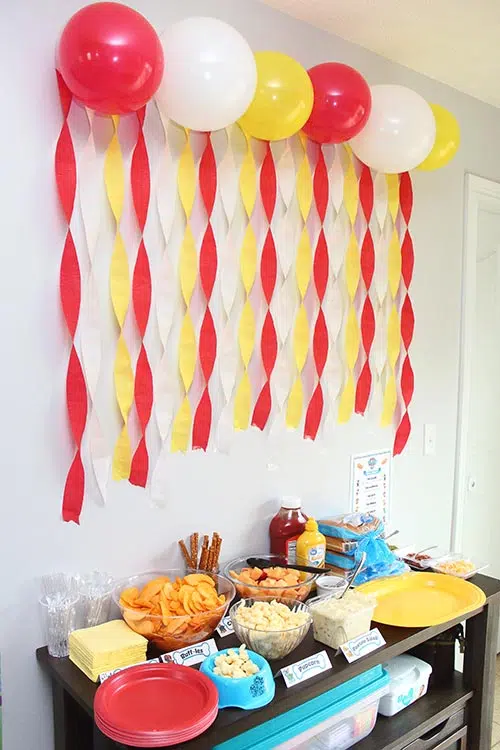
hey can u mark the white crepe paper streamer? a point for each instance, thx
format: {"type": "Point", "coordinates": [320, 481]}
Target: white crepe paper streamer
{"type": "Point", "coordinates": [336, 177]}
{"type": "Point", "coordinates": [166, 302]}
{"type": "Point", "coordinates": [90, 318]}
{"type": "Point", "coordinates": [380, 198]}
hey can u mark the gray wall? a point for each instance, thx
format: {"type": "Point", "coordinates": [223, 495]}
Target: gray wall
{"type": "Point", "coordinates": [129, 535]}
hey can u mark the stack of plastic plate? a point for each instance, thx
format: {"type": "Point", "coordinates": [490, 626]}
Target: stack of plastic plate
{"type": "Point", "coordinates": [155, 705]}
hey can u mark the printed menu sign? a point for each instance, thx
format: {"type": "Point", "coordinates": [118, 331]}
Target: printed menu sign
{"type": "Point", "coordinates": [370, 483]}
{"type": "Point", "coordinates": [303, 670]}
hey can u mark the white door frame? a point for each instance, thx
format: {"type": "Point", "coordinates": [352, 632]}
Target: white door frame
{"type": "Point", "coordinates": [480, 195]}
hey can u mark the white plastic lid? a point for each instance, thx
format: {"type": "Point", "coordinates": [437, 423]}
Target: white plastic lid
{"type": "Point", "coordinates": [291, 502]}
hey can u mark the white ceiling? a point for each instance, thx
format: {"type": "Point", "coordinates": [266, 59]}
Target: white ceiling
{"type": "Point", "coordinates": [453, 41]}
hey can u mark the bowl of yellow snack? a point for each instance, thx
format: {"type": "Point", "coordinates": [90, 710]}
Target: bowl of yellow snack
{"type": "Point", "coordinates": [243, 678]}
{"type": "Point", "coordinates": [270, 627]}
{"type": "Point", "coordinates": [173, 610]}
{"type": "Point", "coordinates": [274, 580]}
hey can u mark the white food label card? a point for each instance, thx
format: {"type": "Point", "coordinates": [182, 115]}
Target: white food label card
{"type": "Point", "coordinates": [225, 627]}
{"type": "Point", "coordinates": [306, 668]}
{"type": "Point", "coordinates": [191, 654]}
{"type": "Point", "coordinates": [362, 645]}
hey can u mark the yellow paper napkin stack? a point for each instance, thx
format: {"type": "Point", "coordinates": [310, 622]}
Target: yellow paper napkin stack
{"type": "Point", "coordinates": [106, 647]}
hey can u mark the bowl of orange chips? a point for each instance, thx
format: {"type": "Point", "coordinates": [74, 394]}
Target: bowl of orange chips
{"type": "Point", "coordinates": [171, 609]}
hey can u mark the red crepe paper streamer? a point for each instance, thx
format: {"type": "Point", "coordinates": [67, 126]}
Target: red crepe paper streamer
{"type": "Point", "coordinates": [207, 344]}
{"type": "Point", "coordinates": [367, 323]}
{"type": "Point", "coordinates": [140, 178]}
{"type": "Point", "coordinates": [407, 380]}
{"type": "Point", "coordinates": [268, 275]}
{"type": "Point", "coordinates": [70, 293]}
{"type": "Point", "coordinates": [321, 268]}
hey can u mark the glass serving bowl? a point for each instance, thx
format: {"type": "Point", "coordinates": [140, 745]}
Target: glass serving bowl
{"type": "Point", "coordinates": [169, 632]}
{"type": "Point", "coordinates": [271, 644]}
{"type": "Point", "coordinates": [236, 571]}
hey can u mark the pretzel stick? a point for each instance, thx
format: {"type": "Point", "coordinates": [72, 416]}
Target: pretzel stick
{"type": "Point", "coordinates": [218, 545]}
{"type": "Point", "coordinates": [194, 549]}
{"type": "Point", "coordinates": [185, 553]}
{"type": "Point", "coordinates": [204, 554]}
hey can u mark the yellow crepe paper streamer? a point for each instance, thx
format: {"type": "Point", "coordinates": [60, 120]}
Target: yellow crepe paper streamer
{"type": "Point", "coordinates": [351, 189]}
{"type": "Point", "coordinates": [301, 332]}
{"type": "Point", "coordinates": [304, 182]}
{"type": "Point", "coordinates": [352, 267]}
{"type": "Point", "coordinates": [248, 270]}
{"type": "Point", "coordinates": [246, 331]}
{"type": "Point", "coordinates": [394, 262]}
{"type": "Point", "coordinates": [393, 327]}
{"type": "Point", "coordinates": [188, 270]}
{"type": "Point", "coordinates": [114, 179]}
{"type": "Point", "coordinates": [393, 194]}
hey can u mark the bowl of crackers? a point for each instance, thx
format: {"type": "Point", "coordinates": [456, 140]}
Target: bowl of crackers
{"type": "Point", "coordinates": [273, 579]}
{"type": "Point", "coordinates": [171, 609]}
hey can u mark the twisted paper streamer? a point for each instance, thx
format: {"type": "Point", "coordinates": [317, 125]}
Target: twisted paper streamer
{"type": "Point", "coordinates": [167, 300]}
{"type": "Point", "coordinates": [186, 181]}
{"type": "Point", "coordinates": [393, 325]}
{"type": "Point", "coordinates": [352, 276]}
{"type": "Point", "coordinates": [248, 270]}
{"type": "Point", "coordinates": [90, 321]}
{"type": "Point", "coordinates": [141, 296]}
{"type": "Point", "coordinates": [364, 384]}
{"type": "Point", "coordinates": [268, 273]}
{"type": "Point", "coordinates": [70, 290]}
{"type": "Point", "coordinates": [114, 179]}
{"type": "Point", "coordinates": [406, 382]}
{"type": "Point", "coordinates": [207, 347]}
{"type": "Point", "coordinates": [303, 270]}
{"type": "Point", "coordinates": [320, 274]}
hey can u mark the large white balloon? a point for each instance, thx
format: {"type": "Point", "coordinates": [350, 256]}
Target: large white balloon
{"type": "Point", "coordinates": [400, 131]}
{"type": "Point", "coordinates": [210, 74]}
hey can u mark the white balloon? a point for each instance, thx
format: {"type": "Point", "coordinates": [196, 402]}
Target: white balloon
{"type": "Point", "coordinates": [400, 131]}
{"type": "Point", "coordinates": [210, 74]}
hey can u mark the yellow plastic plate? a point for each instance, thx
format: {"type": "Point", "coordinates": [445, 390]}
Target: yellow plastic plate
{"type": "Point", "coordinates": [419, 600]}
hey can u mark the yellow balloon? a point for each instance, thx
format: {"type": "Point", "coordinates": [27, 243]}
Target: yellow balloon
{"type": "Point", "coordinates": [283, 100]}
{"type": "Point", "coordinates": [447, 140]}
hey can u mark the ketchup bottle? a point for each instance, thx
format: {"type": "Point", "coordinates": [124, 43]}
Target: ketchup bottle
{"type": "Point", "coordinates": [286, 527]}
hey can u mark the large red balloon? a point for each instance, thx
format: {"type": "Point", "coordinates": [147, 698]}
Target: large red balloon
{"type": "Point", "coordinates": [342, 103]}
{"type": "Point", "coordinates": [110, 58]}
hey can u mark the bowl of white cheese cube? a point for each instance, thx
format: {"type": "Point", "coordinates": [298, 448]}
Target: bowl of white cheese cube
{"type": "Point", "coordinates": [243, 678]}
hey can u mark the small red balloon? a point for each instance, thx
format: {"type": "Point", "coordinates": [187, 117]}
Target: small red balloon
{"type": "Point", "coordinates": [342, 103]}
{"type": "Point", "coordinates": [111, 58]}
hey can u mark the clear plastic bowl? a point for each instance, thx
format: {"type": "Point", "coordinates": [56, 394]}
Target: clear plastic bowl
{"type": "Point", "coordinates": [249, 590]}
{"type": "Point", "coordinates": [452, 565]}
{"type": "Point", "coordinates": [173, 631]}
{"type": "Point", "coordinates": [271, 644]}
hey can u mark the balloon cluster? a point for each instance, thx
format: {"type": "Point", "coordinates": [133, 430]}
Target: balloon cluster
{"type": "Point", "coordinates": [205, 77]}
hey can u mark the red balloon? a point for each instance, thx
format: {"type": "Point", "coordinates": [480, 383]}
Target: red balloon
{"type": "Point", "coordinates": [110, 58]}
{"type": "Point", "coordinates": [342, 103]}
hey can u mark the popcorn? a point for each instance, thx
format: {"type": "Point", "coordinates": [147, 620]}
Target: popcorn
{"type": "Point", "coordinates": [235, 664]}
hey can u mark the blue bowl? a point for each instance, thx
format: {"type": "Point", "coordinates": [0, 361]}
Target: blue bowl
{"type": "Point", "coordinates": [242, 692]}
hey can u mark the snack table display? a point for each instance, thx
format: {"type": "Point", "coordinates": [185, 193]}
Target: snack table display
{"type": "Point", "coordinates": [451, 716]}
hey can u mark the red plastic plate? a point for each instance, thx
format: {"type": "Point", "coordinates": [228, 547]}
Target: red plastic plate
{"type": "Point", "coordinates": [163, 699]}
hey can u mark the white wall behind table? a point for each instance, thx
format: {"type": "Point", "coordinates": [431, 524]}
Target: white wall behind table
{"type": "Point", "coordinates": [229, 494]}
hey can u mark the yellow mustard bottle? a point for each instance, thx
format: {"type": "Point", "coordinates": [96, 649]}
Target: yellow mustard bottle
{"type": "Point", "coordinates": [311, 546]}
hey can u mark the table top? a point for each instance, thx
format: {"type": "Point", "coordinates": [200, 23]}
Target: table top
{"type": "Point", "coordinates": [231, 722]}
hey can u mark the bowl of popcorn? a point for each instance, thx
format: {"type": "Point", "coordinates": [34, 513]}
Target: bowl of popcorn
{"type": "Point", "coordinates": [273, 580]}
{"type": "Point", "coordinates": [270, 627]}
{"type": "Point", "coordinates": [243, 678]}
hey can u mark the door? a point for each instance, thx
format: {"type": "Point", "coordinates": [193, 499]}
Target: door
{"type": "Point", "coordinates": [478, 454]}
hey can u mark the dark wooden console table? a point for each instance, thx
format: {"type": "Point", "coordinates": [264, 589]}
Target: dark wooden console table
{"type": "Point", "coordinates": [454, 717]}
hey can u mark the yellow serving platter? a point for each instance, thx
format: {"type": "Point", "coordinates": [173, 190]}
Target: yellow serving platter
{"type": "Point", "coordinates": [419, 600]}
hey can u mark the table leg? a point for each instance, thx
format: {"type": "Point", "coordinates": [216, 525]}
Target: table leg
{"type": "Point", "coordinates": [101, 742]}
{"type": "Point", "coordinates": [479, 674]}
{"type": "Point", "coordinates": [62, 738]}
